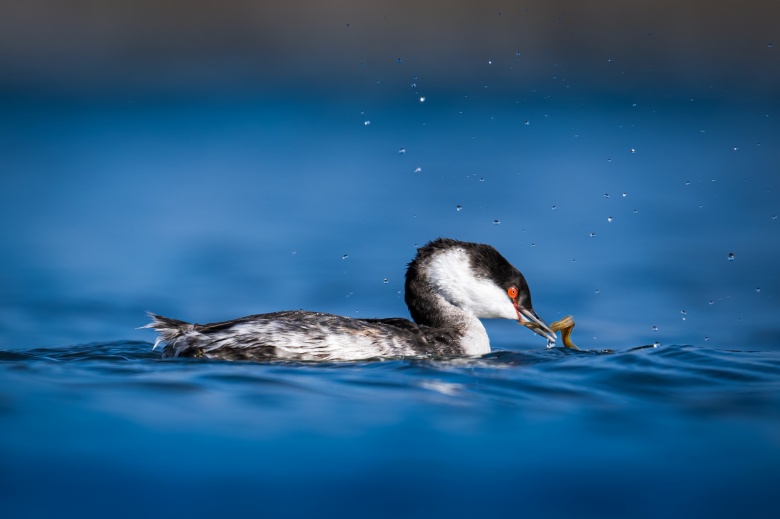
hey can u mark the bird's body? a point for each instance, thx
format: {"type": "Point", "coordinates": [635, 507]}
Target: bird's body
{"type": "Point", "coordinates": [450, 285]}
{"type": "Point", "coordinates": [301, 335]}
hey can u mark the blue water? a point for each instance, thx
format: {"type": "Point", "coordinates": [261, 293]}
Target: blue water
{"type": "Point", "coordinates": [651, 217]}
{"type": "Point", "coordinates": [654, 432]}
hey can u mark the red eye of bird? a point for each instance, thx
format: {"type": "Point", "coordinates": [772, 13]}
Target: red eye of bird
{"type": "Point", "coordinates": [512, 292]}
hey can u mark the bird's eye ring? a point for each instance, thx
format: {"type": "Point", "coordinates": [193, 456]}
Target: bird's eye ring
{"type": "Point", "coordinates": [512, 292]}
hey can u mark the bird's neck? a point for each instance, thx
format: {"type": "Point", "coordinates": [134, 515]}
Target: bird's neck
{"type": "Point", "coordinates": [429, 308]}
{"type": "Point", "coordinates": [475, 339]}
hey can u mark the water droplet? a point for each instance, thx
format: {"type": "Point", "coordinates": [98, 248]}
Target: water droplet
{"type": "Point", "coordinates": [496, 222]}
{"type": "Point", "coordinates": [683, 314]}
{"type": "Point", "coordinates": [490, 62]}
{"type": "Point", "coordinates": [609, 160]}
{"type": "Point", "coordinates": [606, 195]}
{"type": "Point", "coordinates": [533, 244]}
{"type": "Point", "coordinates": [458, 208]}
{"type": "Point", "coordinates": [774, 217]}
{"type": "Point", "coordinates": [687, 182]}
{"type": "Point", "coordinates": [625, 194]}
{"type": "Point", "coordinates": [554, 207]}
{"type": "Point", "coordinates": [399, 60]}
{"type": "Point", "coordinates": [481, 179]}
{"type": "Point", "coordinates": [636, 211]}
{"type": "Point", "coordinates": [422, 99]}
{"type": "Point", "coordinates": [527, 122]}
{"type": "Point", "coordinates": [731, 256]}
{"type": "Point", "coordinates": [609, 218]}
{"type": "Point", "coordinates": [655, 328]}
{"type": "Point", "coordinates": [592, 235]}
{"type": "Point", "coordinates": [706, 338]}
{"type": "Point", "coordinates": [633, 150]}
{"type": "Point", "coordinates": [417, 169]}
{"type": "Point", "coordinates": [401, 151]}
{"type": "Point", "coordinates": [711, 302]}
{"type": "Point", "coordinates": [518, 52]}
{"type": "Point", "coordinates": [366, 123]}
{"type": "Point", "coordinates": [769, 45]}
{"type": "Point", "coordinates": [597, 290]}
{"type": "Point", "coordinates": [345, 256]}
{"type": "Point", "coordinates": [758, 289]}
{"type": "Point", "coordinates": [384, 281]}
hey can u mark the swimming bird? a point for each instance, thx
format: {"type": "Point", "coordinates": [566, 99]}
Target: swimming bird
{"type": "Point", "coordinates": [449, 286]}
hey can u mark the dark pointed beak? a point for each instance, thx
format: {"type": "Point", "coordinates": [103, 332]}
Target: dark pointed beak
{"type": "Point", "coordinates": [535, 323]}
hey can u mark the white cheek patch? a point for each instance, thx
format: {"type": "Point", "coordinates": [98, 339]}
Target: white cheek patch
{"type": "Point", "coordinates": [453, 278]}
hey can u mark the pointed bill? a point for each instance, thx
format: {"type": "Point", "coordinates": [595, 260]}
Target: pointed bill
{"type": "Point", "coordinates": [535, 323]}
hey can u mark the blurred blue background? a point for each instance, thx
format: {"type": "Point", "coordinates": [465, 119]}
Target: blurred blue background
{"type": "Point", "coordinates": [211, 160]}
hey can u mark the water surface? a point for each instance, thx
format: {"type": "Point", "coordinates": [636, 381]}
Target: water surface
{"type": "Point", "coordinates": [112, 427]}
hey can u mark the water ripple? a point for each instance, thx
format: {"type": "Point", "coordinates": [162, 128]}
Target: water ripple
{"type": "Point", "coordinates": [554, 378]}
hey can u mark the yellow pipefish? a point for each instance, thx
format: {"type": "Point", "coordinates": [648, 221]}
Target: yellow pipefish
{"type": "Point", "coordinates": [565, 326]}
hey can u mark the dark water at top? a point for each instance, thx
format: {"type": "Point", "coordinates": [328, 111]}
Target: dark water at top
{"type": "Point", "coordinates": [651, 218]}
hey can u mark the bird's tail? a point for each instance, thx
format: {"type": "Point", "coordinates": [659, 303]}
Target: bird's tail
{"type": "Point", "coordinates": [168, 329]}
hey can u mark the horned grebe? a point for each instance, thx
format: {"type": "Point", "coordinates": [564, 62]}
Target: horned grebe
{"type": "Point", "coordinates": [449, 285]}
